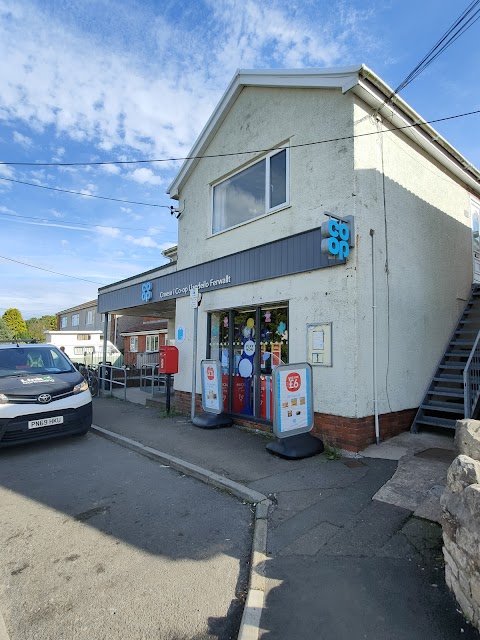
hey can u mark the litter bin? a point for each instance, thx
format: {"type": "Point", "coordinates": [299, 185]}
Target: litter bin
{"type": "Point", "coordinates": [106, 375]}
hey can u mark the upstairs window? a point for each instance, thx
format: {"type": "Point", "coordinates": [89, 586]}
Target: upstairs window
{"type": "Point", "coordinates": [75, 320]}
{"type": "Point", "coordinates": [63, 322]}
{"type": "Point", "coordinates": [134, 343]}
{"type": "Point", "coordinates": [251, 193]}
{"type": "Point", "coordinates": [90, 317]}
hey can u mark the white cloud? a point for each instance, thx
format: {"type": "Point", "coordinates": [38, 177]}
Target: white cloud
{"type": "Point", "coordinates": [19, 138]}
{"type": "Point", "coordinates": [144, 241]}
{"type": "Point", "coordinates": [155, 99]}
{"type": "Point", "coordinates": [56, 214]}
{"type": "Point", "coordinates": [112, 169]}
{"type": "Point", "coordinates": [111, 232]}
{"type": "Point", "coordinates": [145, 176]}
{"type": "Point", "coordinates": [6, 171]}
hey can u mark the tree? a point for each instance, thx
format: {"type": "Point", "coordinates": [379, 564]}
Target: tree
{"type": "Point", "coordinates": [15, 322]}
{"type": "Point", "coordinates": [37, 326]}
{"type": "Point", "coordinates": [5, 332]}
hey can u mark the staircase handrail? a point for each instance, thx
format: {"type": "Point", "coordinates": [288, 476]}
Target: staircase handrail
{"type": "Point", "coordinates": [471, 379]}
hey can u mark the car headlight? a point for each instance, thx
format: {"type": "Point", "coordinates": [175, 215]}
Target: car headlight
{"type": "Point", "coordinates": [81, 386]}
{"type": "Point", "coordinates": [3, 398]}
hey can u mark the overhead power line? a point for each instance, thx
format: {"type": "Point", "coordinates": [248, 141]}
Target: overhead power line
{"type": "Point", "coordinates": [25, 264]}
{"type": "Point", "coordinates": [216, 155]}
{"type": "Point", "coordinates": [59, 221]}
{"type": "Point", "coordinates": [465, 20]}
{"type": "Point", "coordinates": [86, 195]}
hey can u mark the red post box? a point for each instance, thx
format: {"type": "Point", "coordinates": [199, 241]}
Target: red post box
{"type": "Point", "coordinates": [168, 359]}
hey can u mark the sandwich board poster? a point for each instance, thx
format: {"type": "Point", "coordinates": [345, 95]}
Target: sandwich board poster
{"type": "Point", "coordinates": [212, 400]}
{"type": "Point", "coordinates": [292, 399]}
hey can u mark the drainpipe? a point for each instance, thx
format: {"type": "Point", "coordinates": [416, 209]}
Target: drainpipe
{"type": "Point", "coordinates": [374, 340]}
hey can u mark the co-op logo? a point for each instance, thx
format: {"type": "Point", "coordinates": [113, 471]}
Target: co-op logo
{"type": "Point", "coordinates": [337, 237]}
{"type": "Point", "coordinates": [147, 291]}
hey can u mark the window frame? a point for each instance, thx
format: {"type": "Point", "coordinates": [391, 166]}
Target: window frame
{"type": "Point", "coordinates": [90, 319]}
{"type": "Point", "coordinates": [149, 338]}
{"type": "Point", "coordinates": [76, 320]}
{"type": "Point", "coordinates": [268, 210]}
{"type": "Point", "coordinates": [63, 322]}
{"type": "Point", "coordinates": [134, 340]}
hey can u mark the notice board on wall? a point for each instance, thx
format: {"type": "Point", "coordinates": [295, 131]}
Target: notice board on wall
{"type": "Point", "coordinates": [319, 344]}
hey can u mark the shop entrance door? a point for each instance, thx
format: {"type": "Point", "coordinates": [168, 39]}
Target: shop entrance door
{"type": "Point", "coordinates": [249, 343]}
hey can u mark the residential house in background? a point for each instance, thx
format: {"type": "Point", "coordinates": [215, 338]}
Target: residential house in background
{"type": "Point", "coordinates": [142, 342]}
{"type": "Point", "coordinates": [83, 317]}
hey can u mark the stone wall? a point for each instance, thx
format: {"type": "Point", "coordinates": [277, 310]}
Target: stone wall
{"type": "Point", "coordinates": [461, 521]}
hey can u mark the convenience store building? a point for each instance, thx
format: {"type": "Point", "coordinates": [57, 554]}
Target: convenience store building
{"type": "Point", "coordinates": [369, 299]}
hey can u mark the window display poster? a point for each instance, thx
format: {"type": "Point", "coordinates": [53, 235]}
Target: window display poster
{"type": "Point", "coordinates": [293, 399]}
{"type": "Point", "coordinates": [212, 398]}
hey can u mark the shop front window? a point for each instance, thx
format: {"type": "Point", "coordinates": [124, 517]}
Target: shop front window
{"type": "Point", "coordinates": [249, 343]}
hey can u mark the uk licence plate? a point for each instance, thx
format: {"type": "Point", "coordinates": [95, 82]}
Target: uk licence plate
{"type": "Point", "coordinates": [45, 422]}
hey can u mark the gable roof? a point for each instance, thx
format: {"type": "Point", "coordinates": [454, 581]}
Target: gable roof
{"type": "Point", "coordinates": [359, 79]}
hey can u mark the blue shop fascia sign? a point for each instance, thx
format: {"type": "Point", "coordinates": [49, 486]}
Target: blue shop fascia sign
{"type": "Point", "coordinates": [338, 236]}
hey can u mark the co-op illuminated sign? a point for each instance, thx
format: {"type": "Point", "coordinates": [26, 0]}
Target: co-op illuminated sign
{"type": "Point", "coordinates": [338, 235]}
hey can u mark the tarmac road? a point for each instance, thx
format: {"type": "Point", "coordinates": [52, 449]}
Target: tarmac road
{"type": "Point", "coordinates": [99, 542]}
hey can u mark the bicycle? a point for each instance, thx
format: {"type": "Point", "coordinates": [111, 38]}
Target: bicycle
{"type": "Point", "coordinates": [91, 377]}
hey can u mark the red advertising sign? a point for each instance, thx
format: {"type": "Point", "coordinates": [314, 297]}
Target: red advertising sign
{"type": "Point", "coordinates": [292, 399]}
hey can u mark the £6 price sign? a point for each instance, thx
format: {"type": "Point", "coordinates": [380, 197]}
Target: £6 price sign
{"type": "Point", "coordinates": [292, 399]}
{"type": "Point", "coordinates": [293, 381]}
{"type": "Point", "coordinates": [212, 396]}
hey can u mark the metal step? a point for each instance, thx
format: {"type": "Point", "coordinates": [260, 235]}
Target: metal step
{"type": "Point", "coordinates": [436, 422]}
{"type": "Point", "coordinates": [445, 391]}
{"type": "Point", "coordinates": [448, 378]}
{"type": "Point", "coordinates": [454, 353]}
{"type": "Point", "coordinates": [452, 365]}
{"type": "Point", "coordinates": [454, 407]}
{"type": "Point", "coordinates": [462, 332]}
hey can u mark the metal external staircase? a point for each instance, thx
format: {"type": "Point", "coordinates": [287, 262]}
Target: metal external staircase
{"type": "Point", "coordinates": [454, 391]}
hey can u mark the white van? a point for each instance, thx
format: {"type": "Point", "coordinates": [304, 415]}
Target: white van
{"type": "Point", "coordinates": [86, 347]}
{"type": "Point", "coordinates": [42, 395]}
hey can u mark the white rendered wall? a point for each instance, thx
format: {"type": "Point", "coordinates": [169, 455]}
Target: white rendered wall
{"type": "Point", "coordinates": [426, 234]}
{"type": "Point", "coordinates": [321, 176]}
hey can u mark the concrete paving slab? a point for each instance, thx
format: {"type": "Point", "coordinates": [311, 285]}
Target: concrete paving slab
{"type": "Point", "coordinates": [311, 543]}
{"type": "Point", "coordinates": [368, 531]}
{"type": "Point", "coordinates": [385, 450]}
{"type": "Point", "coordinates": [412, 481]}
{"type": "Point", "coordinates": [430, 509]}
{"type": "Point", "coordinates": [319, 474]}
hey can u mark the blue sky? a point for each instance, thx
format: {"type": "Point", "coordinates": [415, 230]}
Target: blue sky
{"type": "Point", "coordinates": [91, 80]}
